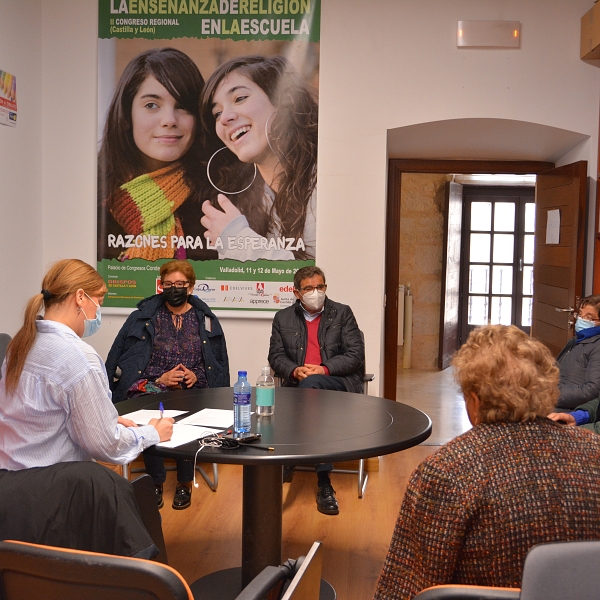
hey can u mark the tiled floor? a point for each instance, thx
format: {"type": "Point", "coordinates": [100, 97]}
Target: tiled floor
{"type": "Point", "coordinates": [436, 394]}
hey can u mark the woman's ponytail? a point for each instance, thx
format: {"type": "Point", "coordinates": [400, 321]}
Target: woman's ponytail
{"type": "Point", "coordinates": [21, 344]}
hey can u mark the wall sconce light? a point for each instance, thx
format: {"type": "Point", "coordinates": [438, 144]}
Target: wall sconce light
{"type": "Point", "coordinates": [488, 34]}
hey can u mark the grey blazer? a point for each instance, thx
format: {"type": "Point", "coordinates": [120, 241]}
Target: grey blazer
{"type": "Point", "coordinates": [579, 372]}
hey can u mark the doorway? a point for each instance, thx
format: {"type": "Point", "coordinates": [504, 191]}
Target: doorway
{"type": "Point", "coordinates": [396, 168]}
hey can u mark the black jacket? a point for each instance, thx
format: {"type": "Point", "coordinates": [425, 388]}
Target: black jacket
{"type": "Point", "coordinates": [132, 349]}
{"type": "Point", "coordinates": [340, 339]}
{"type": "Point", "coordinates": [579, 372]}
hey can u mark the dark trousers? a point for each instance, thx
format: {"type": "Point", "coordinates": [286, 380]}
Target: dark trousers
{"type": "Point", "coordinates": [155, 467]}
{"type": "Point", "coordinates": [78, 505]}
{"type": "Point", "coordinates": [323, 382]}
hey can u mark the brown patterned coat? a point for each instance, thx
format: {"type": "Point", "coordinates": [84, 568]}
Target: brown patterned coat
{"type": "Point", "coordinates": [474, 508]}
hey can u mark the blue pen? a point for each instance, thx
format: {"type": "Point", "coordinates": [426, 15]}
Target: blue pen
{"type": "Point", "coordinates": [161, 408]}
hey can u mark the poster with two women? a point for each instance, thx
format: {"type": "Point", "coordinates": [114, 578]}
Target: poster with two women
{"type": "Point", "coordinates": [207, 147]}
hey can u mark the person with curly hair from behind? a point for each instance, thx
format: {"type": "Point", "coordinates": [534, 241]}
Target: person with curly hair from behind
{"type": "Point", "coordinates": [473, 509]}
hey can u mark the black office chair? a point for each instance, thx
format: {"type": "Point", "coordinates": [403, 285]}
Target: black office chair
{"type": "Point", "coordinates": [306, 584]}
{"type": "Point", "coordinates": [298, 579]}
{"type": "Point", "coordinates": [363, 475]}
{"type": "Point", "coordinates": [553, 571]}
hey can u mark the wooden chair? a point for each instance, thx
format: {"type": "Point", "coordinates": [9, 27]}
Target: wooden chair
{"type": "Point", "coordinates": [555, 571]}
{"type": "Point", "coordinates": [33, 571]}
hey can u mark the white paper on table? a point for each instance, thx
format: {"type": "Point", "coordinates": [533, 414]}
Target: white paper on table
{"type": "Point", "coordinates": [210, 417]}
{"type": "Point", "coordinates": [553, 227]}
{"type": "Point", "coordinates": [143, 416]}
{"type": "Point", "coordinates": [183, 434]}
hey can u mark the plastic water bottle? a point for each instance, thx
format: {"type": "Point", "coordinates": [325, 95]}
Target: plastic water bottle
{"type": "Point", "coordinates": [265, 393]}
{"type": "Point", "coordinates": [242, 403]}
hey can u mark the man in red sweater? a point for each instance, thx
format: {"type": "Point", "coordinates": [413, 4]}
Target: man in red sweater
{"type": "Point", "coordinates": [316, 343]}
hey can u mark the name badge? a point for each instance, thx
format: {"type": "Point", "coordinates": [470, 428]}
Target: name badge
{"type": "Point", "coordinates": [208, 324]}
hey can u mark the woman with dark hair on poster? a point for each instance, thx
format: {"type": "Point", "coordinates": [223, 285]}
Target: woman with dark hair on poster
{"type": "Point", "coordinates": [268, 119]}
{"type": "Point", "coordinates": [150, 151]}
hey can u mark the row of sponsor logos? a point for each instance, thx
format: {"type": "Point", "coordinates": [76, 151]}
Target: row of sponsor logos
{"type": "Point", "coordinates": [275, 302]}
{"type": "Point", "coordinates": [254, 289]}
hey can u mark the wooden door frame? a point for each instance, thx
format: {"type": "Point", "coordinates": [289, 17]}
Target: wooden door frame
{"type": "Point", "coordinates": [558, 282]}
{"type": "Point", "coordinates": [397, 166]}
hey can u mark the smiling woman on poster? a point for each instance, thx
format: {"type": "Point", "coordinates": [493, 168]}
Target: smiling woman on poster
{"type": "Point", "coordinates": [268, 119]}
{"type": "Point", "coordinates": [150, 152]}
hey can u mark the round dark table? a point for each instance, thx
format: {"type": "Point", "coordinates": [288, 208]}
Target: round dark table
{"type": "Point", "coordinates": [308, 427]}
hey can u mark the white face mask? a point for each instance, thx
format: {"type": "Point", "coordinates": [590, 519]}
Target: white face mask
{"type": "Point", "coordinates": [314, 300]}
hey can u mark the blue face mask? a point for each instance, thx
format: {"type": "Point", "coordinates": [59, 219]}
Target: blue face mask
{"type": "Point", "coordinates": [582, 324]}
{"type": "Point", "coordinates": [90, 326]}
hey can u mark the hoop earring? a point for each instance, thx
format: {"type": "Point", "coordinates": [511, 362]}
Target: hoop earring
{"type": "Point", "coordinates": [267, 132]}
{"type": "Point", "coordinates": [219, 189]}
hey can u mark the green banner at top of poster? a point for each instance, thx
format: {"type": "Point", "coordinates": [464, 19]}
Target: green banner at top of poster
{"type": "Point", "coordinates": [225, 19]}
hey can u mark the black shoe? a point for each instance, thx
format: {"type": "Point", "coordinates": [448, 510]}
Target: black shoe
{"type": "Point", "coordinates": [326, 502]}
{"type": "Point", "coordinates": [183, 497]}
{"type": "Point", "coordinates": [158, 489]}
{"type": "Point", "coordinates": [288, 474]}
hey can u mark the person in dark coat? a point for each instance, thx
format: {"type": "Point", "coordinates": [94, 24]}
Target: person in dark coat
{"type": "Point", "coordinates": [579, 360]}
{"type": "Point", "coordinates": [316, 343]}
{"type": "Point", "coordinates": [172, 341]}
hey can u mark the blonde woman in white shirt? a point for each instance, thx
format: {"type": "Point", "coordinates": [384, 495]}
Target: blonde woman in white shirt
{"type": "Point", "coordinates": [56, 417]}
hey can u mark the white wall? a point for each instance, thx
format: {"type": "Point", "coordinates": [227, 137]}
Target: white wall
{"type": "Point", "coordinates": [21, 244]}
{"type": "Point", "coordinates": [393, 63]}
{"type": "Point", "coordinates": [70, 34]}
{"type": "Point", "coordinates": [384, 64]}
